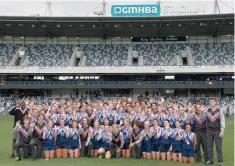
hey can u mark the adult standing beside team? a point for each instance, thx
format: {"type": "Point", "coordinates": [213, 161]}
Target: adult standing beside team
{"type": "Point", "coordinates": [19, 111]}
{"type": "Point", "coordinates": [215, 131]}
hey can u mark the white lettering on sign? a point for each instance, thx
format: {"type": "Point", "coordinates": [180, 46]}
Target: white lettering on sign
{"type": "Point", "coordinates": [134, 10]}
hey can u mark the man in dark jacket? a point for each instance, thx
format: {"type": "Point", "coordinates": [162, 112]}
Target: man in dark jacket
{"type": "Point", "coordinates": [19, 111]}
{"type": "Point", "coordinates": [215, 131]}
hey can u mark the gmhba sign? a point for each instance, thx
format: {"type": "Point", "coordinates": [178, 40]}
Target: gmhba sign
{"type": "Point", "coordinates": [149, 10]}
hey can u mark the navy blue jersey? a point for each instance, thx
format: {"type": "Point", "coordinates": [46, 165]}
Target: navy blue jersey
{"type": "Point", "coordinates": [166, 136]}
{"type": "Point", "coordinates": [69, 120]}
{"type": "Point", "coordinates": [182, 120]}
{"type": "Point", "coordinates": [61, 136]}
{"type": "Point", "coordinates": [146, 139]}
{"type": "Point", "coordinates": [175, 135]}
{"type": "Point", "coordinates": [110, 116]}
{"type": "Point", "coordinates": [172, 120]}
{"type": "Point", "coordinates": [99, 117]}
{"type": "Point", "coordinates": [73, 140]}
{"type": "Point", "coordinates": [49, 138]}
{"type": "Point", "coordinates": [127, 133]}
{"type": "Point", "coordinates": [188, 140]}
{"type": "Point", "coordinates": [160, 119]}
{"type": "Point", "coordinates": [156, 136]}
{"type": "Point", "coordinates": [192, 122]}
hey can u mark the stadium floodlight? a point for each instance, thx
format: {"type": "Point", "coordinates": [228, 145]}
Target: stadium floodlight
{"type": "Point", "coordinates": [169, 77]}
{"type": "Point", "coordinates": [22, 37]}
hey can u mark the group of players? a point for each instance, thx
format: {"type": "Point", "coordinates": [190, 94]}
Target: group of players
{"type": "Point", "coordinates": [117, 129]}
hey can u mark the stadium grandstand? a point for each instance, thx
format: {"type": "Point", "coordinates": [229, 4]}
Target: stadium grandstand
{"type": "Point", "coordinates": [99, 58]}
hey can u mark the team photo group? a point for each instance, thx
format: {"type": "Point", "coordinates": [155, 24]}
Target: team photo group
{"type": "Point", "coordinates": [153, 129]}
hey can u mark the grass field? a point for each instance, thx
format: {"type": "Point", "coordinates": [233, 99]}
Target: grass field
{"type": "Point", "coordinates": [5, 149]}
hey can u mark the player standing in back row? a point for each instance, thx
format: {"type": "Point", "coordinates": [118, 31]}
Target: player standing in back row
{"type": "Point", "coordinates": [215, 131]}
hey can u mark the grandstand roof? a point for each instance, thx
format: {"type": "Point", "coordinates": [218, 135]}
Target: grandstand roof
{"type": "Point", "coordinates": [194, 25]}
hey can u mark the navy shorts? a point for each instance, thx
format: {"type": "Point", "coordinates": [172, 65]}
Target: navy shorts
{"type": "Point", "coordinates": [95, 144]}
{"type": "Point", "coordinates": [176, 148]}
{"type": "Point", "coordinates": [188, 152]}
{"type": "Point", "coordinates": [165, 148]}
{"type": "Point", "coordinates": [47, 148]}
{"type": "Point", "coordinates": [146, 148]}
{"type": "Point", "coordinates": [126, 146]}
{"type": "Point", "coordinates": [72, 148]}
{"type": "Point", "coordinates": [155, 147]}
{"type": "Point", "coordinates": [61, 147]}
{"type": "Point", "coordinates": [106, 147]}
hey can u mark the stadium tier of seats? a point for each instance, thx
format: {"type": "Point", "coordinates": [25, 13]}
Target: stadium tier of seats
{"type": "Point", "coordinates": [212, 54]}
{"type": "Point", "coordinates": [206, 54]}
{"type": "Point", "coordinates": [106, 55]}
{"type": "Point", "coordinates": [7, 52]}
{"type": "Point", "coordinates": [49, 55]}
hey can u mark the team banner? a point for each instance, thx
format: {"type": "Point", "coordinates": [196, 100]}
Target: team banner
{"type": "Point", "coordinates": [158, 39]}
{"type": "Point", "coordinates": [136, 10]}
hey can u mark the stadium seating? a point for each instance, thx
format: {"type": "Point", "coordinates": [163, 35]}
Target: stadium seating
{"type": "Point", "coordinates": [212, 54]}
{"type": "Point", "coordinates": [7, 52]}
{"type": "Point", "coordinates": [158, 54]}
{"type": "Point", "coordinates": [106, 55]}
{"type": "Point", "coordinates": [209, 54]}
{"type": "Point", "coordinates": [49, 55]}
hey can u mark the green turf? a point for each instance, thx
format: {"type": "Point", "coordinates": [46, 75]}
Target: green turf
{"type": "Point", "coordinates": [5, 149]}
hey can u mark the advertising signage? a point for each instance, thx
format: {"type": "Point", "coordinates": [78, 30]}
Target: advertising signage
{"type": "Point", "coordinates": [150, 10]}
{"type": "Point", "coordinates": [158, 39]}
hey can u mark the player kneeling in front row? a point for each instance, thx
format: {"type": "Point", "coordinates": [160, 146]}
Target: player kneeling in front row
{"type": "Point", "coordinates": [106, 139]}
{"type": "Point", "coordinates": [49, 141]}
{"type": "Point", "coordinates": [61, 136]}
{"type": "Point", "coordinates": [189, 145]}
{"type": "Point", "coordinates": [177, 136]}
{"type": "Point", "coordinates": [145, 138]}
{"type": "Point", "coordinates": [117, 141]}
{"type": "Point", "coordinates": [74, 141]}
{"type": "Point", "coordinates": [25, 132]}
{"type": "Point", "coordinates": [36, 142]}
